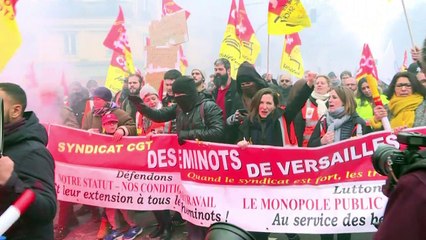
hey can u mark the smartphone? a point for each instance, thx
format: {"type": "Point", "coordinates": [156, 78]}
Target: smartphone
{"type": "Point", "coordinates": [242, 111]}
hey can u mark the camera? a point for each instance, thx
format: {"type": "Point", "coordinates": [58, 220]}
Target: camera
{"type": "Point", "coordinates": [389, 161]}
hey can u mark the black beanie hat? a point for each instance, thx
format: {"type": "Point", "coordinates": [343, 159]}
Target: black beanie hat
{"type": "Point", "coordinates": [103, 93]}
{"type": "Point", "coordinates": [184, 84]}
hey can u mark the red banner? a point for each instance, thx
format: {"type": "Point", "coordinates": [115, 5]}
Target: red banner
{"type": "Point", "coordinates": [330, 189]}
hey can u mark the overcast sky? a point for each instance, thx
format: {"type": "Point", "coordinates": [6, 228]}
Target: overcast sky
{"type": "Point", "coordinates": [333, 43]}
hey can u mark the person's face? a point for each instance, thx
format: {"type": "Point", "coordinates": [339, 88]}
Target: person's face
{"type": "Point", "coordinates": [266, 105]}
{"type": "Point", "coordinates": [334, 102]}
{"type": "Point", "coordinates": [403, 87]}
{"type": "Point", "coordinates": [75, 88]}
{"type": "Point", "coordinates": [219, 69]}
{"type": "Point", "coordinates": [422, 78]}
{"type": "Point", "coordinates": [110, 127]}
{"type": "Point", "coordinates": [366, 89]}
{"type": "Point", "coordinates": [285, 82]}
{"type": "Point", "coordinates": [344, 77]}
{"type": "Point", "coordinates": [196, 75]}
{"type": "Point", "coordinates": [350, 83]}
{"type": "Point", "coordinates": [98, 103]}
{"type": "Point", "coordinates": [134, 85]}
{"type": "Point", "coordinates": [168, 83]}
{"type": "Point", "coordinates": [10, 108]}
{"type": "Point", "coordinates": [151, 100]}
{"type": "Point", "coordinates": [321, 86]}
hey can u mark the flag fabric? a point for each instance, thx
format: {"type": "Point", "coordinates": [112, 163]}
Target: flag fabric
{"type": "Point", "coordinates": [121, 64]}
{"type": "Point", "coordinates": [368, 70]}
{"type": "Point", "coordinates": [239, 42]}
{"type": "Point", "coordinates": [367, 65]}
{"type": "Point", "coordinates": [291, 58]}
{"type": "Point", "coordinates": [286, 17]}
{"type": "Point", "coordinates": [117, 72]}
{"type": "Point", "coordinates": [10, 38]}
{"type": "Point", "coordinates": [169, 7]}
{"type": "Point", "coordinates": [404, 66]}
{"type": "Point", "coordinates": [250, 46]}
{"type": "Point", "coordinates": [183, 62]}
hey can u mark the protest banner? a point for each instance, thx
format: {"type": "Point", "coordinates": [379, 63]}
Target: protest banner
{"type": "Point", "coordinates": [330, 189]}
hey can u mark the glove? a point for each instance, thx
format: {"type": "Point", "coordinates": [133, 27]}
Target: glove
{"type": "Point", "coordinates": [182, 135]}
{"type": "Point", "coordinates": [181, 141]}
{"type": "Point", "coordinates": [137, 102]}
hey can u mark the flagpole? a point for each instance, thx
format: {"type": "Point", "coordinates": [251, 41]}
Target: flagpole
{"type": "Point", "coordinates": [267, 57]}
{"type": "Point", "coordinates": [408, 23]}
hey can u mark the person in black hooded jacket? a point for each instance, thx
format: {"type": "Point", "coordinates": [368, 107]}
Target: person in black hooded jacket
{"type": "Point", "coordinates": [192, 121]}
{"type": "Point", "coordinates": [197, 117]}
{"type": "Point", "coordinates": [26, 164]}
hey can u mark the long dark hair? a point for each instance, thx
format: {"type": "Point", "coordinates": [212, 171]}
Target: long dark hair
{"type": "Point", "coordinates": [416, 86]}
{"type": "Point", "coordinates": [254, 106]}
{"type": "Point", "coordinates": [360, 94]}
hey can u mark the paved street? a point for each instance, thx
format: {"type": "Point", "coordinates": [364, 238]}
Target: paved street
{"type": "Point", "coordinates": [88, 230]}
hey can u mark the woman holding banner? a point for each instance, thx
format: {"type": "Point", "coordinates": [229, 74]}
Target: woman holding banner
{"type": "Point", "coordinates": [407, 105]}
{"type": "Point", "coordinates": [339, 123]}
{"type": "Point", "coordinates": [267, 123]}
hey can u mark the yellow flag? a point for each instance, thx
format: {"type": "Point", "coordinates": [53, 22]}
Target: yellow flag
{"type": "Point", "coordinates": [286, 17]}
{"type": "Point", "coordinates": [231, 47]}
{"type": "Point", "coordinates": [239, 42]}
{"type": "Point", "coordinates": [10, 38]}
{"type": "Point", "coordinates": [116, 72]}
{"type": "Point", "coordinates": [291, 59]}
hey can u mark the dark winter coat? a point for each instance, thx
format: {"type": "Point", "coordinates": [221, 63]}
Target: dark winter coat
{"type": "Point", "coordinates": [270, 133]}
{"type": "Point", "coordinates": [190, 125]}
{"type": "Point", "coordinates": [34, 169]}
{"type": "Point", "coordinates": [321, 128]}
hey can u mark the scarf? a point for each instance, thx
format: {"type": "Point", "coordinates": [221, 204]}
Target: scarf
{"type": "Point", "coordinates": [107, 108]}
{"type": "Point", "coordinates": [321, 100]}
{"type": "Point", "coordinates": [403, 110]}
{"type": "Point", "coordinates": [335, 121]}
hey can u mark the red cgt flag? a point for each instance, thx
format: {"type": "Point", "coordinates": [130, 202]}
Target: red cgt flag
{"type": "Point", "coordinates": [367, 65]}
{"type": "Point", "coordinates": [169, 7]}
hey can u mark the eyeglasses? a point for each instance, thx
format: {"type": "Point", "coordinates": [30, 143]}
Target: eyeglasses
{"type": "Point", "coordinates": [400, 85]}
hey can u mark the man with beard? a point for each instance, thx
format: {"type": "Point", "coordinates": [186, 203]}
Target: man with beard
{"type": "Point", "coordinates": [196, 119]}
{"type": "Point", "coordinates": [169, 78]}
{"type": "Point", "coordinates": [135, 83]}
{"type": "Point", "coordinates": [199, 80]}
{"type": "Point", "coordinates": [226, 96]}
{"type": "Point", "coordinates": [26, 164]}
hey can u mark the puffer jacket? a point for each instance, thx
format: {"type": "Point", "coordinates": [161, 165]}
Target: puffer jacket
{"type": "Point", "coordinates": [190, 125]}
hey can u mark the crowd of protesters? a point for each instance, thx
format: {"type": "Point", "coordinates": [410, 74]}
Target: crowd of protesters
{"type": "Point", "coordinates": [317, 110]}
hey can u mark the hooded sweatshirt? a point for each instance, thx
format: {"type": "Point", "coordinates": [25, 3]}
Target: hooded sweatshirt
{"type": "Point", "coordinates": [34, 168]}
